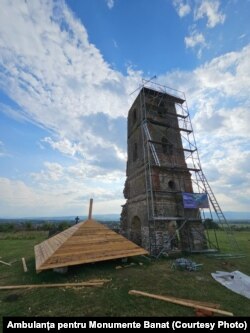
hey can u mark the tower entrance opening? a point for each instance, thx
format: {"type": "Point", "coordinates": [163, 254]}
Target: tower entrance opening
{"type": "Point", "coordinates": [136, 231]}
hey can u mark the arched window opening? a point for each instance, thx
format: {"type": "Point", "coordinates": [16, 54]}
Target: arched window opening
{"type": "Point", "coordinates": [171, 184]}
{"type": "Point", "coordinates": [136, 231]}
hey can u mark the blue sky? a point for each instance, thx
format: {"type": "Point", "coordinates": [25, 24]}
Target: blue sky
{"type": "Point", "coordinates": [67, 69]}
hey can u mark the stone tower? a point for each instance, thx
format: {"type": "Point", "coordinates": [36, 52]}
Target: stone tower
{"type": "Point", "coordinates": [154, 216]}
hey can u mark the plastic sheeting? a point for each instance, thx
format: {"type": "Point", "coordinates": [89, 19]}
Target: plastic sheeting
{"type": "Point", "coordinates": [235, 281]}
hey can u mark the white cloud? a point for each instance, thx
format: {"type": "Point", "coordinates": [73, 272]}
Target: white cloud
{"type": "Point", "coordinates": [223, 122]}
{"type": "Point", "coordinates": [70, 187]}
{"type": "Point", "coordinates": [225, 79]}
{"type": "Point", "coordinates": [35, 53]}
{"type": "Point", "coordinates": [3, 152]}
{"type": "Point", "coordinates": [54, 199]}
{"type": "Point", "coordinates": [218, 98]}
{"type": "Point", "coordinates": [62, 83]}
{"type": "Point", "coordinates": [110, 3]}
{"type": "Point", "coordinates": [197, 41]}
{"type": "Point", "coordinates": [210, 9]}
{"type": "Point", "coordinates": [230, 176]}
{"type": "Point", "coordinates": [196, 38]}
{"type": "Point", "coordinates": [90, 148]}
{"type": "Point", "coordinates": [115, 43]}
{"type": "Point", "coordinates": [15, 194]}
{"type": "Point", "coordinates": [56, 173]}
{"type": "Point", "coordinates": [57, 77]}
{"type": "Point", "coordinates": [182, 8]}
{"type": "Point", "coordinates": [62, 190]}
{"type": "Point", "coordinates": [64, 146]}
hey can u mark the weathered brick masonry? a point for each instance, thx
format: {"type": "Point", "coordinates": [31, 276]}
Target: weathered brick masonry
{"type": "Point", "coordinates": [154, 208]}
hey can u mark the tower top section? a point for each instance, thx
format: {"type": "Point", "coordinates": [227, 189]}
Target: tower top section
{"type": "Point", "coordinates": [155, 89]}
{"type": "Point", "coordinates": [161, 93]}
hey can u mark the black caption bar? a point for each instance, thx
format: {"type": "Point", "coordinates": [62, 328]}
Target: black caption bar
{"type": "Point", "coordinates": [61, 324]}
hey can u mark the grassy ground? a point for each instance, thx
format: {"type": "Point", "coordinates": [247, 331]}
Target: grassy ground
{"type": "Point", "coordinates": [155, 276]}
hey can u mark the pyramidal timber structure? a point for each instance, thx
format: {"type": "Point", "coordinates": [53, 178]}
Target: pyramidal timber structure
{"type": "Point", "coordinates": [84, 242]}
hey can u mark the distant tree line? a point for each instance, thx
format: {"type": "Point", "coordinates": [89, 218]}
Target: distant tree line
{"type": "Point", "coordinates": [29, 226]}
{"type": "Point", "coordinates": [52, 227]}
{"type": "Point", "coordinates": [210, 224]}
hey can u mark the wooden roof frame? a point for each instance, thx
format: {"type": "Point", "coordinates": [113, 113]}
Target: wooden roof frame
{"type": "Point", "coordinates": [85, 242]}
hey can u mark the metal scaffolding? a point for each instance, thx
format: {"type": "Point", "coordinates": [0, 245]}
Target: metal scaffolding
{"type": "Point", "coordinates": [159, 154]}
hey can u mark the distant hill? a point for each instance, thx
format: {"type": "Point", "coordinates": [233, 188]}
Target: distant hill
{"type": "Point", "coordinates": [233, 215]}
{"type": "Point", "coordinates": [115, 217]}
{"type": "Point", "coordinates": [238, 215]}
{"type": "Point", "coordinates": [99, 217]}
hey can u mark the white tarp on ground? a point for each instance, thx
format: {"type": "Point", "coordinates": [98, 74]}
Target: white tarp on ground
{"type": "Point", "coordinates": [235, 281]}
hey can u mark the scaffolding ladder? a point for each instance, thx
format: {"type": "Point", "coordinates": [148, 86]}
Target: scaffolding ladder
{"type": "Point", "coordinates": [151, 145]}
{"type": "Point", "coordinates": [218, 211]}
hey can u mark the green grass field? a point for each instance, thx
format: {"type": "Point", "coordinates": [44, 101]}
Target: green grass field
{"type": "Point", "coordinates": [155, 276]}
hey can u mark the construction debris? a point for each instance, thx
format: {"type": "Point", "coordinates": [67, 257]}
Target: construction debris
{"type": "Point", "coordinates": [91, 283]}
{"type": "Point", "coordinates": [118, 267]}
{"type": "Point", "coordinates": [5, 263]}
{"type": "Point", "coordinates": [126, 266]}
{"type": "Point", "coordinates": [186, 264]}
{"type": "Point", "coordinates": [188, 303]}
{"type": "Point", "coordinates": [235, 281]}
{"type": "Point", "coordinates": [24, 265]}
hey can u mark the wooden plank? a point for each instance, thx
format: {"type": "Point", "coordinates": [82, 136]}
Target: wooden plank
{"type": "Point", "coordinates": [24, 265]}
{"type": "Point", "coordinates": [48, 247]}
{"type": "Point", "coordinates": [88, 257]}
{"type": "Point", "coordinates": [64, 250]}
{"type": "Point", "coordinates": [5, 263]}
{"type": "Point", "coordinates": [207, 304]}
{"type": "Point", "coordinates": [37, 256]}
{"type": "Point", "coordinates": [101, 253]}
{"type": "Point", "coordinates": [61, 261]}
{"type": "Point", "coordinates": [179, 301]}
{"type": "Point", "coordinates": [93, 283]}
{"type": "Point", "coordinates": [76, 261]}
{"type": "Point", "coordinates": [91, 241]}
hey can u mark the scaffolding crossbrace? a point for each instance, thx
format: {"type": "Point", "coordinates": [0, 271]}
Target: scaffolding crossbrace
{"type": "Point", "coordinates": [152, 157]}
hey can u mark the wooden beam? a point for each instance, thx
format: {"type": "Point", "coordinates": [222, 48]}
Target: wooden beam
{"type": "Point", "coordinates": [93, 283]}
{"type": "Point", "coordinates": [5, 263]}
{"type": "Point", "coordinates": [90, 209]}
{"type": "Point", "coordinates": [207, 304]}
{"type": "Point", "coordinates": [24, 265]}
{"type": "Point", "coordinates": [180, 301]}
